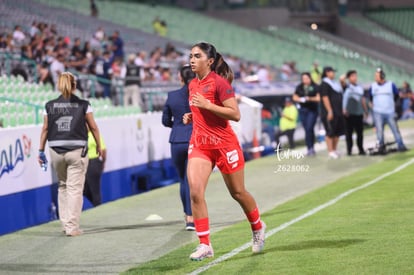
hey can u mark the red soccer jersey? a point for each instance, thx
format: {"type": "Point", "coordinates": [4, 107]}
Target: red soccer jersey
{"type": "Point", "coordinates": [209, 130]}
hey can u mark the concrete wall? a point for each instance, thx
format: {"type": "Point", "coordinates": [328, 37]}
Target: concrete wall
{"type": "Point", "coordinates": [254, 18]}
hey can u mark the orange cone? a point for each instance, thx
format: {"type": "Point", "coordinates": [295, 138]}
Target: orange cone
{"type": "Point", "coordinates": [256, 146]}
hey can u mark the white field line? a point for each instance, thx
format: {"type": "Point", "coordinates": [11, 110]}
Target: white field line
{"type": "Point", "coordinates": [307, 214]}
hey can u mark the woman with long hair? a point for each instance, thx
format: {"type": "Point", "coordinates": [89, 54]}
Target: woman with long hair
{"type": "Point", "coordinates": [214, 143]}
{"type": "Point", "coordinates": [307, 96]}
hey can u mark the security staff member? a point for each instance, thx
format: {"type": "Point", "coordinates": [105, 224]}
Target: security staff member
{"type": "Point", "coordinates": [64, 127]}
{"type": "Point", "coordinates": [383, 93]}
{"type": "Point", "coordinates": [175, 107]}
{"type": "Point", "coordinates": [132, 84]}
{"type": "Point", "coordinates": [92, 188]}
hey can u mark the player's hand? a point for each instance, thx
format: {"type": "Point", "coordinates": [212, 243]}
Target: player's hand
{"type": "Point", "coordinates": [330, 116]}
{"type": "Point", "coordinates": [345, 113]}
{"type": "Point", "coordinates": [200, 101]}
{"type": "Point", "coordinates": [187, 118]}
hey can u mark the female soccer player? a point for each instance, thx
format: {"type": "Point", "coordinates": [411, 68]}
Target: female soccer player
{"type": "Point", "coordinates": [213, 142]}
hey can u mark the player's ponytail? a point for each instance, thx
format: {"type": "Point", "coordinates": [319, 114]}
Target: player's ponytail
{"type": "Point", "coordinates": [222, 68]}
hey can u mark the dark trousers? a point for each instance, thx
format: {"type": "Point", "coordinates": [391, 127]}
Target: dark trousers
{"type": "Point", "coordinates": [354, 123]}
{"type": "Point", "coordinates": [92, 189]}
{"type": "Point", "coordinates": [179, 155]}
{"type": "Point", "coordinates": [308, 119]}
{"type": "Point", "coordinates": [289, 133]}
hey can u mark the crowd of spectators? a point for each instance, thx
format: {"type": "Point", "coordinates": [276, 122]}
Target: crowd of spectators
{"type": "Point", "coordinates": [53, 53]}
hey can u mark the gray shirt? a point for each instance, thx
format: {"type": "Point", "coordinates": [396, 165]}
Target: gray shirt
{"type": "Point", "coordinates": [352, 100]}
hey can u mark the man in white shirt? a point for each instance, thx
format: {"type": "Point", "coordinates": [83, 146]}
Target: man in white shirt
{"type": "Point", "coordinates": [57, 67]}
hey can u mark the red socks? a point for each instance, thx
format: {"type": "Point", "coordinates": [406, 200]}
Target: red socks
{"type": "Point", "coordinates": [254, 219]}
{"type": "Point", "coordinates": [203, 230]}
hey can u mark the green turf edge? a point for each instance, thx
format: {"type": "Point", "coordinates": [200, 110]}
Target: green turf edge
{"type": "Point", "coordinates": [177, 262]}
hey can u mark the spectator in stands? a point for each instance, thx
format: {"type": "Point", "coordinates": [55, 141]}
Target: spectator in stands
{"type": "Point", "coordinates": [331, 110]}
{"type": "Point", "coordinates": [316, 73]}
{"type": "Point", "coordinates": [286, 71]}
{"type": "Point", "coordinates": [307, 96]}
{"type": "Point", "coordinates": [175, 108]}
{"type": "Point", "coordinates": [92, 187]}
{"type": "Point", "coordinates": [383, 93]}
{"type": "Point", "coordinates": [34, 30]}
{"type": "Point", "coordinates": [117, 45]}
{"type": "Point", "coordinates": [18, 35]}
{"type": "Point", "coordinates": [263, 76]}
{"type": "Point", "coordinates": [163, 30]}
{"type": "Point", "coordinates": [94, 9]}
{"type": "Point", "coordinates": [100, 34]}
{"type": "Point", "coordinates": [86, 50]}
{"type": "Point", "coordinates": [287, 123]}
{"type": "Point", "coordinates": [64, 127]}
{"type": "Point", "coordinates": [76, 46]}
{"type": "Point", "coordinates": [213, 142]}
{"type": "Point", "coordinates": [103, 71]}
{"type": "Point", "coordinates": [45, 76]}
{"type": "Point", "coordinates": [155, 57]}
{"type": "Point", "coordinates": [355, 108]}
{"type": "Point", "coordinates": [132, 95]}
{"type": "Point", "coordinates": [156, 24]}
{"type": "Point", "coordinates": [26, 51]}
{"type": "Point", "coordinates": [3, 41]}
{"type": "Point", "coordinates": [406, 96]}
{"type": "Point", "coordinates": [9, 43]}
{"type": "Point", "coordinates": [56, 68]}
{"type": "Point", "coordinates": [140, 59]}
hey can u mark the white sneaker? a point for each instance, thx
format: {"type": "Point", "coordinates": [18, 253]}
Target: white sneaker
{"type": "Point", "coordinates": [259, 239]}
{"type": "Point", "coordinates": [202, 251]}
{"type": "Point", "coordinates": [333, 155]}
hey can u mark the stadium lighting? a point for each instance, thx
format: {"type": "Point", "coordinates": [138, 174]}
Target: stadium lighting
{"type": "Point", "coordinates": [314, 26]}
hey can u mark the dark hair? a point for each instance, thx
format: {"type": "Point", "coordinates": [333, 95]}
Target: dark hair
{"type": "Point", "coordinates": [219, 65]}
{"type": "Point", "coordinates": [350, 72]}
{"type": "Point", "coordinates": [223, 69]}
{"type": "Point", "coordinates": [208, 49]}
{"type": "Point", "coordinates": [186, 74]}
{"type": "Point", "coordinates": [308, 75]}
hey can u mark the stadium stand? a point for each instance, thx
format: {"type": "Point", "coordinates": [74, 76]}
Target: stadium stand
{"type": "Point", "coordinates": [22, 103]}
{"type": "Point", "coordinates": [326, 50]}
{"type": "Point", "coordinates": [190, 27]}
{"type": "Point", "coordinates": [273, 47]}
{"type": "Point", "coordinates": [398, 20]}
{"type": "Point", "coordinates": [374, 29]}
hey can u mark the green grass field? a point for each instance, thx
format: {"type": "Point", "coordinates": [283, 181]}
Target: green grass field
{"type": "Point", "coordinates": [371, 231]}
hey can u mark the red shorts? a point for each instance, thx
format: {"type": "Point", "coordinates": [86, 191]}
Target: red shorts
{"type": "Point", "coordinates": [228, 159]}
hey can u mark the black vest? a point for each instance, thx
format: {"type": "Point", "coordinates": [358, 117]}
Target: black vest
{"type": "Point", "coordinates": [132, 76]}
{"type": "Point", "coordinates": [66, 123]}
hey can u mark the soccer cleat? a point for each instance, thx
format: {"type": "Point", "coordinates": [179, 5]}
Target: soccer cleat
{"type": "Point", "coordinates": [259, 239]}
{"type": "Point", "coordinates": [202, 251]}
